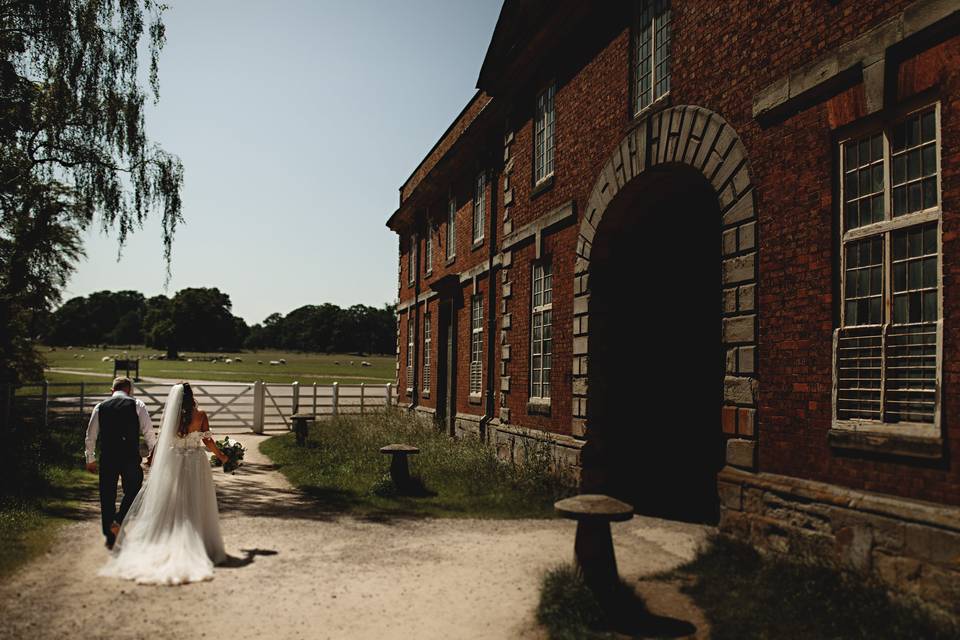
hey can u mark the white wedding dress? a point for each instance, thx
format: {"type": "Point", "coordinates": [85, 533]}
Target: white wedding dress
{"type": "Point", "coordinates": [171, 534]}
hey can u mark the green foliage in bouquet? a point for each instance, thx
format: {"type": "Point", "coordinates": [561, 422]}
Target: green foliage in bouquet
{"type": "Point", "coordinates": [234, 452]}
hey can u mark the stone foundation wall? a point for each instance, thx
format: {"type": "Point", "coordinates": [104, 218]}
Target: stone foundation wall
{"type": "Point", "coordinates": [913, 547]}
{"type": "Point", "coordinates": [514, 444]}
{"type": "Point", "coordinates": [466, 425]}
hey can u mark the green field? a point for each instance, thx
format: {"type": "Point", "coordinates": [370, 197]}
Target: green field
{"type": "Point", "coordinates": [303, 367]}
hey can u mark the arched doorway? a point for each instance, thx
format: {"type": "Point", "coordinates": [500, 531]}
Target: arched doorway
{"type": "Point", "coordinates": [665, 315]}
{"type": "Point", "coordinates": [656, 359]}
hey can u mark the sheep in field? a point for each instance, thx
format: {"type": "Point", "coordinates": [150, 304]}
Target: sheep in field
{"type": "Point", "coordinates": [365, 364]}
{"type": "Point", "coordinates": [238, 359]}
{"type": "Point", "coordinates": [274, 363]}
{"type": "Point", "coordinates": [259, 361]}
{"type": "Point", "coordinates": [282, 361]}
{"type": "Point", "coordinates": [105, 359]}
{"type": "Point", "coordinates": [228, 361]}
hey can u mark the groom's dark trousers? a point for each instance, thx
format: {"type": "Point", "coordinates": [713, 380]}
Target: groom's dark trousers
{"type": "Point", "coordinates": [119, 458]}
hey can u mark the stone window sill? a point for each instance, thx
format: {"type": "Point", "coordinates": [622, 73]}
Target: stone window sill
{"type": "Point", "coordinates": [538, 406]}
{"type": "Point", "coordinates": [477, 244]}
{"type": "Point", "coordinates": [475, 398]}
{"type": "Point", "coordinates": [907, 440]}
{"type": "Point", "coordinates": [425, 394]}
{"type": "Point", "coordinates": [409, 391]}
{"type": "Point", "coordinates": [450, 260]}
{"type": "Point", "coordinates": [656, 106]}
{"type": "Point", "coordinates": [543, 186]}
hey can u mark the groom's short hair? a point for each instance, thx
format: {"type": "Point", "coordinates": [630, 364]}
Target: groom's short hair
{"type": "Point", "coordinates": [122, 383]}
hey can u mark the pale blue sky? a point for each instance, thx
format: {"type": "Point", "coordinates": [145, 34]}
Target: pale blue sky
{"type": "Point", "coordinates": [296, 121]}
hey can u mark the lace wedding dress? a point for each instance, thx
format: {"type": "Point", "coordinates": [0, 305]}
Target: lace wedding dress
{"type": "Point", "coordinates": [171, 534]}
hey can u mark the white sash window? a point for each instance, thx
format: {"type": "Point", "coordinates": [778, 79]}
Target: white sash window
{"type": "Point", "coordinates": [887, 350]}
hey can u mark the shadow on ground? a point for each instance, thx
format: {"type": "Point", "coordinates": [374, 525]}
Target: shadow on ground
{"type": "Point", "coordinates": [233, 562]}
{"type": "Point", "coordinates": [246, 495]}
{"type": "Point", "coordinates": [627, 613]}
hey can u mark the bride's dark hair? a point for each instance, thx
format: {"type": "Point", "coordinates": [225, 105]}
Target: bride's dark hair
{"type": "Point", "coordinates": [187, 407]}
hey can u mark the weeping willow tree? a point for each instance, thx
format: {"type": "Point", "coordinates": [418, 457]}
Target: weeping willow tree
{"type": "Point", "coordinates": [74, 148]}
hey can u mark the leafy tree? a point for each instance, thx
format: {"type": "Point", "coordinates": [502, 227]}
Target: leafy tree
{"type": "Point", "coordinates": [73, 147]}
{"type": "Point", "coordinates": [39, 245]}
{"type": "Point", "coordinates": [102, 317]}
{"type": "Point", "coordinates": [203, 320]}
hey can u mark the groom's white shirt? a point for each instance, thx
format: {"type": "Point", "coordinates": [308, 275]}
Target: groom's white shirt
{"type": "Point", "coordinates": [93, 429]}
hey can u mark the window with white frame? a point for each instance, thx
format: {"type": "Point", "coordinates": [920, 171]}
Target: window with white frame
{"type": "Point", "coordinates": [476, 344]}
{"type": "Point", "coordinates": [543, 138]}
{"type": "Point", "coordinates": [412, 256]}
{"type": "Point", "coordinates": [541, 323]}
{"type": "Point", "coordinates": [428, 250]}
{"type": "Point", "coordinates": [451, 228]}
{"type": "Point", "coordinates": [427, 346]}
{"type": "Point", "coordinates": [889, 341]}
{"type": "Point", "coordinates": [651, 53]}
{"type": "Point", "coordinates": [478, 207]}
{"type": "Point", "coordinates": [410, 344]}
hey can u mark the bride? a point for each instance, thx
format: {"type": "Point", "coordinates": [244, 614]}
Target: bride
{"type": "Point", "coordinates": [171, 535]}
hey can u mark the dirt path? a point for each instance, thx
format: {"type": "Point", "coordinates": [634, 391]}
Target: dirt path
{"type": "Point", "coordinates": [297, 571]}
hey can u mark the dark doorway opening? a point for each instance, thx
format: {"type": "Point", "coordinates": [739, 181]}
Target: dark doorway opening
{"type": "Point", "coordinates": [656, 356]}
{"type": "Point", "coordinates": [447, 371]}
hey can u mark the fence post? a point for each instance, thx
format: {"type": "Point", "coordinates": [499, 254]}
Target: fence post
{"type": "Point", "coordinates": [362, 387]}
{"type": "Point", "coordinates": [387, 408]}
{"type": "Point", "coordinates": [336, 399]}
{"type": "Point", "coordinates": [314, 398]}
{"type": "Point", "coordinates": [258, 406]}
{"type": "Point", "coordinates": [296, 397]}
{"type": "Point", "coordinates": [83, 397]}
{"type": "Point", "coordinates": [44, 404]}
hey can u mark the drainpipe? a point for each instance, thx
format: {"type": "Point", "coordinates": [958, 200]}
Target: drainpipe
{"type": "Point", "coordinates": [415, 398]}
{"type": "Point", "coordinates": [492, 273]}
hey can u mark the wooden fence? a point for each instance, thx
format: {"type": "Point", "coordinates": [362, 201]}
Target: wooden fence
{"type": "Point", "coordinates": [257, 405]}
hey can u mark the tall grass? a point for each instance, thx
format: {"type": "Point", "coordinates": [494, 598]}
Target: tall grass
{"type": "Point", "coordinates": [40, 486]}
{"type": "Point", "coordinates": [342, 467]}
{"type": "Point", "coordinates": [746, 595]}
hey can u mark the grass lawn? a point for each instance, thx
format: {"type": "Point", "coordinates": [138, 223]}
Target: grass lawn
{"type": "Point", "coordinates": [68, 384]}
{"type": "Point", "coordinates": [341, 466]}
{"type": "Point", "coordinates": [28, 525]}
{"type": "Point", "coordinates": [744, 595]}
{"type": "Point", "coordinates": [304, 367]}
{"type": "Point", "coordinates": [43, 486]}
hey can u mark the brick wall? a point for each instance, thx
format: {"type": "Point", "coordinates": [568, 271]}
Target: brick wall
{"type": "Point", "coordinates": [723, 54]}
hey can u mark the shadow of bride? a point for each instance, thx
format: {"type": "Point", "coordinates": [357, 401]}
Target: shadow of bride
{"type": "Point", "coordinates": [233, 562]}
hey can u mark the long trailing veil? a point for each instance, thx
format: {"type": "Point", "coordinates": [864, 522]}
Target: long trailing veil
{"type": "Point", "coordinates": [171, 534]}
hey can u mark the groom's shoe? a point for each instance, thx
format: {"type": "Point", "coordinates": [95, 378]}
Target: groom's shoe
{"type": "Point", "coordinates": [111, 539]}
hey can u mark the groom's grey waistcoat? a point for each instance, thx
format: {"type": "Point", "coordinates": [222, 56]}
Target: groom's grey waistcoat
{"type": "Point", "coordinates": [119, 429]}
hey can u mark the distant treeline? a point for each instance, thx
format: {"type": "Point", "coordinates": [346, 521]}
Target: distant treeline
{"type": "Point", "coordinates": [201, 319]}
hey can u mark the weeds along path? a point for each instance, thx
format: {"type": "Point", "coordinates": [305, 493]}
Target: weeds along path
{"type": "Point", "coordinates": [299, 571]}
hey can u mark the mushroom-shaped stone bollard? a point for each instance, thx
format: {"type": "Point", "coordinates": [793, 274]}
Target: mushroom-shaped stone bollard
{"type": "Point", "coordinates": [593, 547]}
{"type": "Point", "coordinates": [399, 471]}
{"type": "Point", "coordinates": [301, 425]}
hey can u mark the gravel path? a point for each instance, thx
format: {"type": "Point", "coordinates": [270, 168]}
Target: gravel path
{"type": "Point", "coordinates": [298, 571]}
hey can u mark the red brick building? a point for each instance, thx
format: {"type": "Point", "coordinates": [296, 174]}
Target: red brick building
{"type": "Point", "coordinates": [708, 253]}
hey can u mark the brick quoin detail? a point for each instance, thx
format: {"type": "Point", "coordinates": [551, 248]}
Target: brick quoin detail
{"type": "Point", "coordinates": [701, 139]}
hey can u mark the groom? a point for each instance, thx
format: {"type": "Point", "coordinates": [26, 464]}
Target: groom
{"type": "Point", "coordinates": [119, 421]}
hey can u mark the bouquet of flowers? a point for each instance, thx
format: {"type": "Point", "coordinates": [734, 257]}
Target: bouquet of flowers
{"type": "Point", "coordinates": [234, 452]}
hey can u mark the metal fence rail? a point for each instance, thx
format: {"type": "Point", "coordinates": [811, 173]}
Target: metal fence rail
{"type": "Point", "coordinates": [255, 406]}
